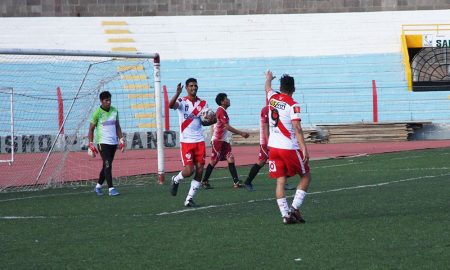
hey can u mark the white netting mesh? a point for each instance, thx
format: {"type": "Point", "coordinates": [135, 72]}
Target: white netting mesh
{"type": "Point", "coordinates": [34, 82]}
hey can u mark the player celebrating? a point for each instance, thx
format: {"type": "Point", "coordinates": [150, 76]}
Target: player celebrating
{"type": "Point", "coordinates": [105, 122]}
{"type": "Point", "coordinates": [263, 150]}
{"type": "Point", "coordinates": [288, 153]}
{"type": "Point", "coordinates": [221, 147]}
{"type": "Point", "coordinates": [192, 141]}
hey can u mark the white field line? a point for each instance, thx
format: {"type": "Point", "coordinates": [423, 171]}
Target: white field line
{"type": "Point", "coordinates": [410, 157]}
{"type": "Point", "coordinates": [338, 165]}
{"type": "Point", "coordinates": [24, 217]}
{"type": "Point", "coordinates": [410, 169]}
{"type": "Point", "coordinates": [217, 178]}
{"type": "Point", "coordinates": [43, 196]}
{"type": "Point", "coordinates": [309, 193]}
{"type": "Point", "coordinates": [251, 201]}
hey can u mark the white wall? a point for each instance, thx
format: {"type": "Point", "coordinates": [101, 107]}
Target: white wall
{"type": "Point", "coordinates": [197, 37]}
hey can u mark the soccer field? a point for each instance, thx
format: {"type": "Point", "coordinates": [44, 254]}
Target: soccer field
{"type": "Point", "coordinates": [388, 211]}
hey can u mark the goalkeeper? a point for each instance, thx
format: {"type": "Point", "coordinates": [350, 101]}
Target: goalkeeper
{"type": "Point", "coordinates": [105, 123]}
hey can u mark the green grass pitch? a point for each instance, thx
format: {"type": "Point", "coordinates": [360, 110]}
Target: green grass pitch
{"type": "Point", "coordinates": [389, 211]}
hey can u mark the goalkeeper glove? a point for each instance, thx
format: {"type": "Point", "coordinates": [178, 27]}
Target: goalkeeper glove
{"type": "Point", "coordinates": [92, 151]}
{"type": "Point", "coordinates": [122, 144]}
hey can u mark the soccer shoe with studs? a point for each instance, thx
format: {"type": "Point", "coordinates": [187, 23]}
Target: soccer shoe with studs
{"type": "Point", "coordinates": [190, 203]}
{"type": "Point", "coordinates": [206, 185]}
{"type": "Point", "coordinates": [249, 187]}
{"type": "Point", "coordinates": [98, 191]}
{"type": "Point", "coordinates": [289, 219]}
{"type": "Point", "coordinates": [174, 187]}
{"type": "Point", "coordinates": [296, 215]}
{"type": "Point", "coordinates": [114, 192]}
{"type": "Point", "coordinates": [237, 184]}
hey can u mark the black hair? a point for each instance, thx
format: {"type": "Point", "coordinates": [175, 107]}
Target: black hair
{"type": "Point", "coordinates": [220, 97]}
{"type": "Point", "coordinates": [287, 84]}
{"type": "Point", "coordinates": [191, 80]}
{"type": "Point", "coordinates": [104, 95]}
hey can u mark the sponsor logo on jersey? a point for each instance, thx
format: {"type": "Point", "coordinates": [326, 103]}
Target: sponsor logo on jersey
{"type": "Point", "coordinates": [190, 116]}
{"type": "Point", "coordinates": [277, 104]}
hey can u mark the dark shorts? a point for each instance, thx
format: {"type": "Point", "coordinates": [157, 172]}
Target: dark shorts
{"type": "Point", "coordinates": [221, 151]}
{"type": "Point", "coordinates": [263, 152]}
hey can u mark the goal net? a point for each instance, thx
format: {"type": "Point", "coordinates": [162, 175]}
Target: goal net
{"type": "Point", "coordinates": [46, 101]}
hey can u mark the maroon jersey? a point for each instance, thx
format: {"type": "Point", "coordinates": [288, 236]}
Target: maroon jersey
{"type": "Point", "coordinates": [220, 131]}
{"type": "Point", "coordinates": [263, 120]}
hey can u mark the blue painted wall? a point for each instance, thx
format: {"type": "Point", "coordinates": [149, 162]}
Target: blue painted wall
{"type": "Point", "coordinates": [330, 89]}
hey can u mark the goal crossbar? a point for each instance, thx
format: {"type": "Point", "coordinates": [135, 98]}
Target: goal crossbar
{"type": "Point", "coordinates": [80, 53]}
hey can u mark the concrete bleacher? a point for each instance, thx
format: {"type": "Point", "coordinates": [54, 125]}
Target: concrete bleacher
{"type": "Point", "coordinates": [338, 95]}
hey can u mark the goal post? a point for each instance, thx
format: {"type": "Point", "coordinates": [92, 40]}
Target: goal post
{"type": "Point", "coordinates": [49, 152]}
{"type": "Point", "coordinates": [7, 119]}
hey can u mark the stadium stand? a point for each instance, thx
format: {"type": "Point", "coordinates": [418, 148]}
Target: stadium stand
{"type": "Point", "coordinates": [334, 67]}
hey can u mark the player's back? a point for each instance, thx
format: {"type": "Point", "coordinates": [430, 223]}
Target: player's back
{"type": "Point", "coordinates": [283, 110]}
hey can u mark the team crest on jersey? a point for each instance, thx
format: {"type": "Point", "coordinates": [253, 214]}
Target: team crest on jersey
{"type": "Point", "coordinates": [277, 104]}
{"type": "Point", "coordinates": [272, 166]}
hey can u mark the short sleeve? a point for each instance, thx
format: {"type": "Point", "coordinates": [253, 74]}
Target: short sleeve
{"type": "Point", "coordinates": [222, 115]}
{"type": "Point", "coordinates": [117, 115]}
{"type": "Point", "coordinates": [180, 104]}
{"type": "Point", "coordinates": [95, 116]}
{"type": "Point", "coordinates": [295, 112]}
{"type": "Point", "coordinates": [270, 93]}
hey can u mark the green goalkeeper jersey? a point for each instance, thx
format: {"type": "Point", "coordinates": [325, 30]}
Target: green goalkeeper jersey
{"type": "Point", "coordinates": [105, 125]}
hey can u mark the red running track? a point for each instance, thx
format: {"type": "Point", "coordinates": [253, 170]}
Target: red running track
{"type": "Point", "coordinates": [79, 166]}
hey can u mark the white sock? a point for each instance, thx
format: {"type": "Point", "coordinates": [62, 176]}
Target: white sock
{"type": "Point", "coordinates": [111, 188]}
{"type": "Point", "coordinates": [298, 198]}
{"type": "Point", "coordinates": [98, 186]}
{"type": "Point", "coordinates": [178, 178]}
{"type": "Point", "coordinates": [195, 185]}
{"type": "Point", "coordinates": [284, 207]}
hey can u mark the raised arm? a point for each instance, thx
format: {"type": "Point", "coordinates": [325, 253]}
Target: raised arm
{"type": "Point", "coordinates": [269, 79]}
{"type": "Point", "coordinates": [173, 104]}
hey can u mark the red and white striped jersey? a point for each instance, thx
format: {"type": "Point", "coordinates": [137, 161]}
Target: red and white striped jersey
{"type": "Point", "coordinates": [263, 120]}
{"type": "Point", "coordinates": [283, 109]}
{"type": "Point", "coordinates": [189, 119]}
{"type": "Point", "coordinates": [220, 132]}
